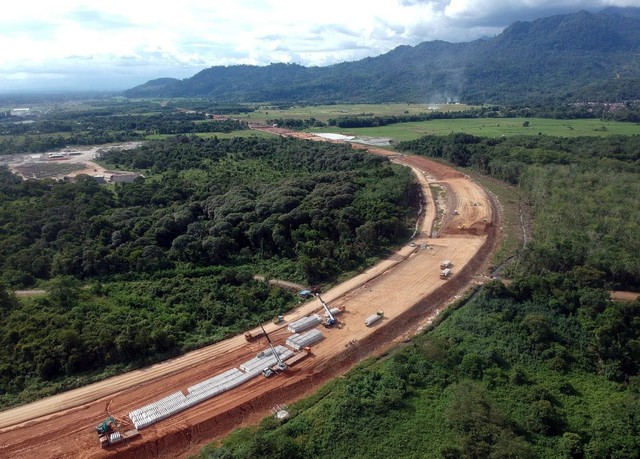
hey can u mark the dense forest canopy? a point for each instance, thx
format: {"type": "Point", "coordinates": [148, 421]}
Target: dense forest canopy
{"type": "Point", "coordinates": [170, 259]}
{"type": "Point", "coordinates": [206, 201]}
{"type": "Point", "coordinates": [577, 57]}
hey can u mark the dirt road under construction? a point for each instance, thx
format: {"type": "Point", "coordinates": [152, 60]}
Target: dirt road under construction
{"type": "Point", "coordinates": [406, 286]}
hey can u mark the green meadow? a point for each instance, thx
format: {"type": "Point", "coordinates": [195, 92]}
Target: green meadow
{"type": "Point", "coordinates": [325, 112]}
{"type": "Point", "coordinates": [493, 127]}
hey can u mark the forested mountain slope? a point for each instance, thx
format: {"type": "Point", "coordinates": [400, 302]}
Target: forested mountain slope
{"type": "Point", "coordinates": [577, 56]}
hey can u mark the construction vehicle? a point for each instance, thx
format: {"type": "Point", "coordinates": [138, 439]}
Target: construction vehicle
{"type": "Point", "coordinates": [253, 334]}
{"type": "Point", "coordinates": [280, 366]}
{"type": "Point", "coordinates": [331, 320]}
{"type": "Point", "coordinates": [445, 264]}
{"type": "Point", "coordinates": [106, 426]}
{"type": "Point", "coordinates": [109, 432]}
{"type": "Point", "coordinates": [445, 273]}
{"type": "Point", "coordinates": [303, 354]}
{"type": "Point", "coordinates": [118, 437]}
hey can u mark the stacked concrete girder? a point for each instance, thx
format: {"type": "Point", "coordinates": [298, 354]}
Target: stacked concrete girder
{"type": "Point", "coordinates": [304, 323]}
{"type": "Point", "coordinates": [204, 390]}
{"type": "Point", "coordinates": [300, 341]}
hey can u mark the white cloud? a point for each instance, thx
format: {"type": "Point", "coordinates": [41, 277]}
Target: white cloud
{"type": "Point", "coordinates": [127, 42]}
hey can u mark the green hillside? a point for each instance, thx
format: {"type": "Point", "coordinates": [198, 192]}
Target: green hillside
{"type": "Point", "coordinates": [581, 56]}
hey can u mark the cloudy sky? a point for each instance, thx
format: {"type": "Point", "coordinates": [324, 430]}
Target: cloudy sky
{"type": "Point", "coordinates": [117, 44]}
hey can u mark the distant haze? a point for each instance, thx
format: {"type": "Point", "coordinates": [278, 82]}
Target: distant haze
{"type": "Point", "coordinates": [81, 45]}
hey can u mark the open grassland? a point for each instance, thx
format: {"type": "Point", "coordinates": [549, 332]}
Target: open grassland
{"type": "Point", "coordinates": [493, 127]}
{"type": "Point", "coordinates": [325, 112]}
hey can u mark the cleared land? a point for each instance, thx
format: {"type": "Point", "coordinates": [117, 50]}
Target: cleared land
{"type": "Point", "coordinates": [406, 286]}
{"type": "Point", "coordinates": [76, 161]}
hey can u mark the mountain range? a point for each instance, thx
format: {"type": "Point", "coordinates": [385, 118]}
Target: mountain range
{"type": "Point", "coordinates": [573, 57]}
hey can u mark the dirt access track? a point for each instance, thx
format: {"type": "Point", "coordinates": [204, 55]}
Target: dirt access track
{"type": "Point", "coordinates": [406, 286]}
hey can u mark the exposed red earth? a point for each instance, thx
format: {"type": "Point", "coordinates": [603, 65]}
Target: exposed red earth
{"type": "Point", "coordinates": [405, 286]}
{"type": "Point", "coordinates": [618, 295]}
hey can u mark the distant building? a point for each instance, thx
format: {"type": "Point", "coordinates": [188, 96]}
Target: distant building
{"type": "Point", "coordinates": [19, 111]}
{"type": "Point", "coordinates": [125, 178]}
{"type": "Point", "coordinates": [55, 156]}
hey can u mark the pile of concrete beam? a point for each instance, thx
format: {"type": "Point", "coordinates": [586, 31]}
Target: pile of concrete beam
{"type": "Point", "coordinates": [304, 323]}
{"type": "Point", "coordinates": [265, 359]}
{"type": "Point", "coordinates": [204, 390]}
{"type": "Point", "coordinates": [300, 341]}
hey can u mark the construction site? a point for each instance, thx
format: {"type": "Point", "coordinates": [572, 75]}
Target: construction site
{"type": "Point", "coordinates": [173, 408]}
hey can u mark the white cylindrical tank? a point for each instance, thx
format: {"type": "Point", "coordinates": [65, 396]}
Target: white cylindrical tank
{"type": "Point", "coordinates": [372, 319]}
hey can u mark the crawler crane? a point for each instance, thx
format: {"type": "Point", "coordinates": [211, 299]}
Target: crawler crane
{"type": "Point", "coordinates": [280, 366]}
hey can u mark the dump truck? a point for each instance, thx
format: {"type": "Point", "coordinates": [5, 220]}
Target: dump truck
{"type": "Point", "coordinates": [445, 273]}
{"type": "Point", "coordinates": [253, 334]}
{"type": "Point", "coordinates": [445, 264]}
{"type": "Point", "coordinates": [117, 437]}
{"type": "Point", "coordinates": [303, 354]}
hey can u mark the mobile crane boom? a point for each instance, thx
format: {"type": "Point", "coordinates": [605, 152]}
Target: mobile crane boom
{"type": "Point", "coordinates": [280, 365]}
{"type": "Point", "coordinates": [331, 319]}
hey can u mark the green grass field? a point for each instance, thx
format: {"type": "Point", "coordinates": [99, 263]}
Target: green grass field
{"type": "Point", "coordinates": [494, 127]}
{"type": "Point", "coordinates": [325, 112]}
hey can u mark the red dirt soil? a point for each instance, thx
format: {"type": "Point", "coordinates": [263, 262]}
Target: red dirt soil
{"type": "Point", "coordinates": [406, 286]}
{"type": "Point", "coordinates": [619, 295]}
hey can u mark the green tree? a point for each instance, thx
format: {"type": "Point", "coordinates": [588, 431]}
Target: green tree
{"type": "Point", "coordinates": [64, 291]}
